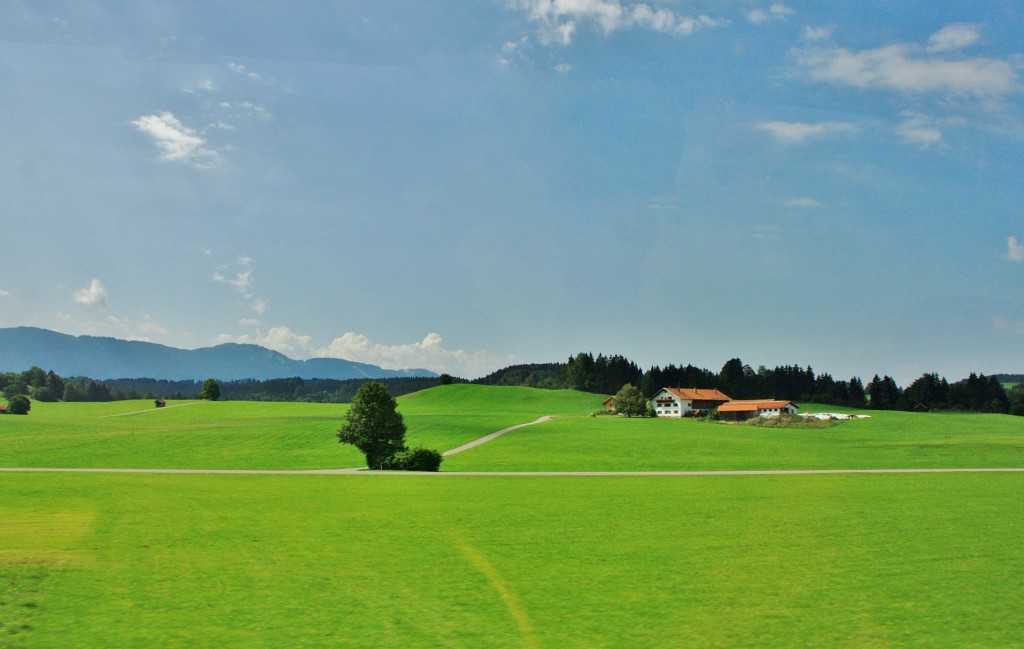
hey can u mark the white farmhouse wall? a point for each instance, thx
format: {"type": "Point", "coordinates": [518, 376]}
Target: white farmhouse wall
{"type": "Point", "coordinates": [667, 404]}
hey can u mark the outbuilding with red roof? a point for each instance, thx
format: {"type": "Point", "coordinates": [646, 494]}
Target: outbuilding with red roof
{"type": "Point", "coordinates": [748, 409]}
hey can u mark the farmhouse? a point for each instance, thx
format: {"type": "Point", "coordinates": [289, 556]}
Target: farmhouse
{"type": "Point", "coordinates": [686, 402]}
{"type": "Point", "coordinates": [743, 410]}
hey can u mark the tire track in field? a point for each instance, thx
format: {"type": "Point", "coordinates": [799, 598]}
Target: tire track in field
{"type": "Point", "coordinates": [508, 596]}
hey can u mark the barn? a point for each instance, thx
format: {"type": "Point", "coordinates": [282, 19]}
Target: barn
{"type": "Point", "coordinates": [743, 410]}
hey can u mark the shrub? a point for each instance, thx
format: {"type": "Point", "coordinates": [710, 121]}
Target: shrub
{"type": "Point", "coordinates": [19, 405]}
{"type": "Point", "coordinates": [415, 459]}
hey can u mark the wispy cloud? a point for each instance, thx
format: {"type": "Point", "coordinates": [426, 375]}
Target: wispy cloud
{"type": "Point", "coordinates": [558, 20]}
{"type": "Point", "coordinates": [920, 130]}
{"type": "Point", "coordinates": [428, 353]}
{"type": "Point", "coordinates": [938, 68]}
{"type": "Point", "coordinates": [953, 37]}
{"type": "Point", "coordinates": [93, 296]}
{"type": "Point", "coordinates": [1015, 250]}
{"type": "Point", "coordinates": [799, 132]}
{"type": "Point", "coordinates": [777, 11]}
{"type": "Point", "coordinates": [238, 68]}
{"type": "Point", "coordinates": [4, 293]}
{"type": "Point", "coordinates": [816, 33]}
{"type": "Point", "coordinates": [177, 142]}
{"type": "Point", "coordinates": [205, 85]}
{"type": "Point", "coordinates": [240, 109]}
{"type": "Point", "coordinates": [241, 280]}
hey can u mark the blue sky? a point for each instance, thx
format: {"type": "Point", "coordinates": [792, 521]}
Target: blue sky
{"type": "Point", "coordinates": [465, 185]}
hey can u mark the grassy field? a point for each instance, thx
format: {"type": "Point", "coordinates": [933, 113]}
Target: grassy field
{"type": "Point", "coordinates": [247, 435]}
{"type": "Point", "coordinates": [271, 561]}
{"type": "Point", "coordinates": [886, 440]}
{"type": "Point", "coordinates": [122, 560]}
{"type": "Point", "coordinates": [253, 435]}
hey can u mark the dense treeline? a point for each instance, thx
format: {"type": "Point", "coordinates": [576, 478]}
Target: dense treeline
{"type": "Point", "coordinates": [607, 374]}
{"type": "Point", "coordinates": [48, 386]}
{"type": "Point", "coordinates": [584, 372]}
{"type": "Point", "coordinates": [539, 375]}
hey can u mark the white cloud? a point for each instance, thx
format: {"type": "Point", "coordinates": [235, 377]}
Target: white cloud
{"type": "Point", "coordinates": [241, 282]}
{"type": "Point", "coordinates": [513, 50]}
{"type": "Point", "coordinates": [4, 293]}
{"type": "Point", "coordinates": [911, 68]}
{"type": "Point", "coordinates": [259, 306]}
{"type": "Point", "coordinates": [1015, 250]}
{"type": "Point", "coordinates": [177, 142]}
{"type": "Point", "coordinates": [799, 132]}
{"type": "Point", "coordinates": [280, 339]}
{"type": "Point", "coordinates": [920, 130]}
{"type": "Point", "coordinates": [429, 353]}
{"type": "Point", "coordinates": [238, 68]}
{"type": "Point", "coordinates": [953, 37]}
{"type": "Point", "coordinates": [206, 85]}
{"type": "Point", "coordinates": [816, 33]}
{"type": "Point", "coordinates": [557, 20]}
{"type": "Point", "coordinates": [93, 296]}
{"type": "Point", "coordinates": [563, 68]}
{"type": "Point", "coordinates": [777, 11]}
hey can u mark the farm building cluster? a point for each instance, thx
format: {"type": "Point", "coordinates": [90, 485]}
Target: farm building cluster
{"type": "Point", "coordinates": [697, 402]}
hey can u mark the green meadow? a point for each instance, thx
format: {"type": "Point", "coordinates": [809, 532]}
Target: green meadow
{"type": "Point", "coordinates": [861, 560]}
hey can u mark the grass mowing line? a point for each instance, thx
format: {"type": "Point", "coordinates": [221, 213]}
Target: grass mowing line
{"type": "Point", "coordinates": [505, 592]}
{"type": "Point", "coordinates": [139, 412]}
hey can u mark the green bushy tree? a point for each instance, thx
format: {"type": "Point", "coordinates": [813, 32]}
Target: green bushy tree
{"type": "Point", "coordinates": [19, 404]}
{"type": "Point", "coordinates": [629, 401]}
{"type": "Point", "coordinates": [374, 425]}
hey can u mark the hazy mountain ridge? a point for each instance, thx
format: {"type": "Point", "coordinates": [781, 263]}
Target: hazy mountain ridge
{"type": "Point", "coordinates": [113, 358]}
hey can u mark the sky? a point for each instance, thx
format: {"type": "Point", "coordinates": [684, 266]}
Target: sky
{"type": "Point", "coordinates": [462, 186]}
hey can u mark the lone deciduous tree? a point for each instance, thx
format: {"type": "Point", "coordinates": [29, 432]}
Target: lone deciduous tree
{"type": "Point", "coordinates": [629, 401]}
{"type": "Point", "coordinates": [374, 425]}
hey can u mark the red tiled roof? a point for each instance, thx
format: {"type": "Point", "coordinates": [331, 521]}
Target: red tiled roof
{"type": "Point", "coordinates": [698, 394]}
{"type": "Point", "coordinates": [752, 405]}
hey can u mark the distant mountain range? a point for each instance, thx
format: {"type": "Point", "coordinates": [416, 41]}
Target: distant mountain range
{"type": "Point", "coordinates": [112, 358]}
